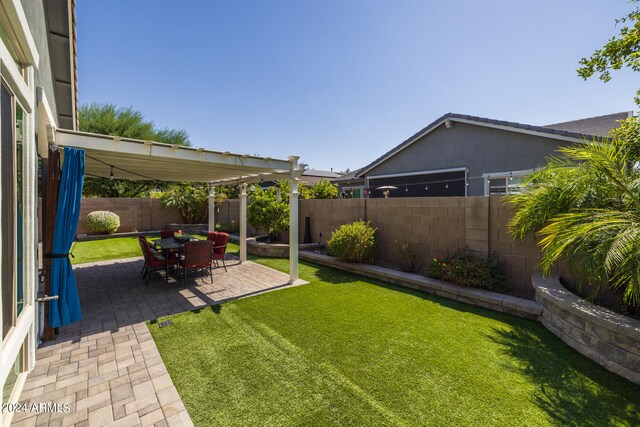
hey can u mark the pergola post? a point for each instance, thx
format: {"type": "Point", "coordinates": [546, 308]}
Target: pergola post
{"type": "Point", "coordinates": [293, 230]}
{"type": "Point", "coordinates": [243, 222]}
{"type": "Point", "coordinates": [212, 208]}
{"type": "Point", "coordinates": [293, 220]}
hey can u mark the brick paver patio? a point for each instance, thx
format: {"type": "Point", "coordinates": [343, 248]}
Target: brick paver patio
{"type": "Point", "coordinates": [107, 367]}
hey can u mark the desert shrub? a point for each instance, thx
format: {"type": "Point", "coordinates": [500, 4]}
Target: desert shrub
{"type": "Point", "coordinates": [465, 268]}
{"type": "Point", "coordinates": [103, 222]}
{"type": "Point", "coordinates": [353, 242]}
{"type": "Point", "coordinates": [405, 256]}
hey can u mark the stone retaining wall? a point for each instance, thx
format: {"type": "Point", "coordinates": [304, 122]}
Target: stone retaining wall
{"type": "Point", "coordinates": [610, 339]}
{"type": "Point", "coordinates": [276, 250]}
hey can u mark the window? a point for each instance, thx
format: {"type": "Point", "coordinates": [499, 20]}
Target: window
{"type": "Point", "coordinates": [5, 36]}
{"type": "Point", "coordinates": [352, 192]}
{"type": "Point", "coordinates": [503, 183]}
{"type": "Point", "coordinates": [7, 217]}
{"type": "Point", "coordinates": [20, 210]}
{"type": "Point", "coordinates": [9, 390]}
{"type": "Point", "coordinates": [14, 374]}
{"type": "Point", "coordinates": [11, 217]}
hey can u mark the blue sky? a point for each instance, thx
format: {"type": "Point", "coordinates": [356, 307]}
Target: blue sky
{"type": "Point", "coordinates": [341, 82]}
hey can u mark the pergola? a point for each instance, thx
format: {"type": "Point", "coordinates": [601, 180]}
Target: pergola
{"type": "Point", "coordinates": [125, 158]}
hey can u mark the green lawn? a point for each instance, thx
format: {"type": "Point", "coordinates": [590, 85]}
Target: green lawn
{"type": "Point", "coordinates": [115, 248]}
{"type": "Point", "coordinates": [345, 350]}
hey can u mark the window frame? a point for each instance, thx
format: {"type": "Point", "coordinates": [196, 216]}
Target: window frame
{"type": "Point", "coordinates": [20, 83]}
{"type": "Point", "coordinates": [507, 176]}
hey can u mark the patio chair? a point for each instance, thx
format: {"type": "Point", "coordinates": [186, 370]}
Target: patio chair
{"type": "Point", "coordinates": [197, 256]}
{"type": "Point", "coordinates": [211, 236]}
{"type": "Point", "coordinates": [142, 248]}
{"type": "Point", "coordinates": [153, 260]}
{"type": "Point", "coordinates": [220, 249]}
{"type": "Point", "coordinates": [164, 234]}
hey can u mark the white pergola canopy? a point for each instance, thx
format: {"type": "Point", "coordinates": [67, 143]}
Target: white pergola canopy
{"type": "Point", "coordinates": [133, 159]}
{"type": "Point", "coordinates": [147, 160]}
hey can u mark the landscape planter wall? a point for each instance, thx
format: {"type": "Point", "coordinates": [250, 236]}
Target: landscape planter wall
{"type": "Point", "coordinates": [480, 297]}
{"type": "Point", "coordinates": [610, 339]}
{"type": "Point", "coordinates": [276, 250]}
{"type": "Point", "coordinates": [188, 228]}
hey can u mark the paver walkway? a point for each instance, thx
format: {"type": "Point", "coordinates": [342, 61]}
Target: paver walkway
{"type": "Point", "coordinates": [107, 367]}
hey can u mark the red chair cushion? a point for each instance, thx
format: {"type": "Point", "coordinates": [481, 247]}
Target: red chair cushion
{"type": "Point", "coordinates": [220, 244]}
{"type": "Point", "coordinates": [154, 258]}
{"type": "Point", "coordinates": [166, 233]}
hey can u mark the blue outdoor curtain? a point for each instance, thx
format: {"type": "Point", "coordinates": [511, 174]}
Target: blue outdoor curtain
{"type": "Point", "coordinates": [63, 283]}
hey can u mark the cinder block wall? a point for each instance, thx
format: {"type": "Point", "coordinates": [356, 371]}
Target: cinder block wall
{"type": "Point", "coordinates": [434, 225]}
{"type": "Point", "coordinates": [229, 210]}
{"type": "Point", "coordinates": [520, 258]}
{"type": "Point", "coordinates": [141, 214]}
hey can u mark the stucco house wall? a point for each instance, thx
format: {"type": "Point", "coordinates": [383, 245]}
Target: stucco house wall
{"type": "Point", "coordinates": [35, 14]}
{"type": "Point", "coordinates": [481, 149]}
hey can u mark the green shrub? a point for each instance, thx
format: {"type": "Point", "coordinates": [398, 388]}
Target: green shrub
{"type": "Point", "coordinates": [103, 222]}
{"type": "Point", "coordinates": [465, 268]}
{"type": "Point", "coordinates": [353, 242]}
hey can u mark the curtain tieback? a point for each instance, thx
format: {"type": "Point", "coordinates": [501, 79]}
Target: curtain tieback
{"type": "Point", "coordinates": [59, 255]}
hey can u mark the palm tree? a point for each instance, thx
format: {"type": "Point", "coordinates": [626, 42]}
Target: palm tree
{"type": "Point", "coordinates": [585, 207]}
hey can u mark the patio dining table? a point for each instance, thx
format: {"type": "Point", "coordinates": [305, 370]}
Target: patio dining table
{"type": "Point", "coordinates": [169, 244]}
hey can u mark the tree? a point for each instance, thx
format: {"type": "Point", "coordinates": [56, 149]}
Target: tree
{"type": "Point", "coordinates": [324, 190]}
{"type": "Point", "coordinates": [107, 119]}
{"type": "Point", "coordinates": [267, 211]}
{"type": "Point", "coordinates": [621, 51]}
{"type": "Point", "coordinates": [190, 199]}
{"type": "Point", "coordinates": [585, 204]}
